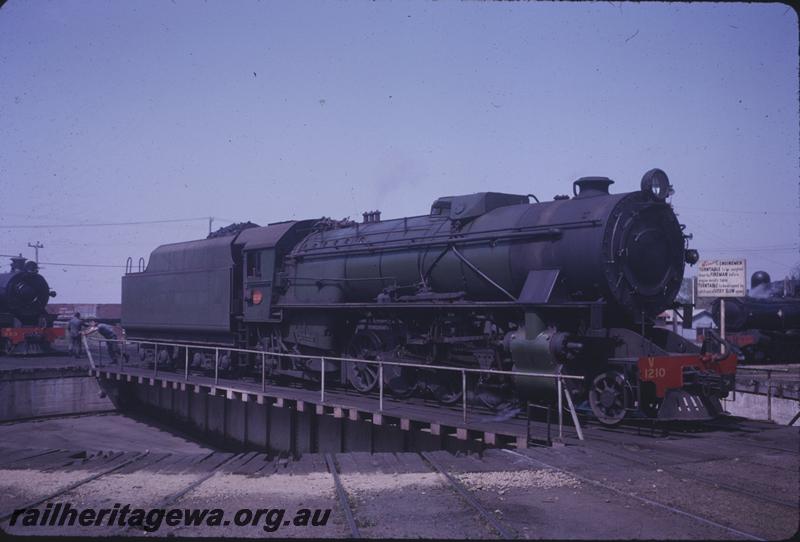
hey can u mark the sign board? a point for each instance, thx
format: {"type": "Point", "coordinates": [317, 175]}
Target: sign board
{"type": "Point", "coordinates": [721, 278]}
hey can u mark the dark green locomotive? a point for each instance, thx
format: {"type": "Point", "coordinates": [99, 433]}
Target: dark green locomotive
{"type": "Point", "coordinates": [765, 324]}
{"type": "Point", "coordinates": [485, 280]}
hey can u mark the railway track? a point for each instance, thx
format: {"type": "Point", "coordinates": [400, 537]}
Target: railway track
{"type": "Point", "coordinates": [354, 532]}
{"type": "Point", "coordinates": [171, 499]}
{"type": "Point", "coordinates": [722, 429]}
{"type": "Point", "coordinates": [677, 471]}
{"type": "Point", "coordinates": [487, 515]}
{"type": "Point", "coordinates": [217, 462]}
{"type": "Point", "coordinates": [650, 502]}
{"type": "Point", "coordinates": [15, 458]}
{"type": "Point", "coordinates": [341, 494]}
{"type": "Point", "coordinates": [78, 483]}
{"type": "Point", "coordinates": [497, 516]}
{"type": "Point", "coordinates": [674, 460]}
{"type": "Point", "coordinates": [750, 442]}
{"type": "Point", "coordinates": [678, 456]}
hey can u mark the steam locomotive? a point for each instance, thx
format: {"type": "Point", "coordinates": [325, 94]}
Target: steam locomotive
{"type": "Point", "coordinates": [487, 280]}
{"type": "Point", "coordinates": [765, 324]}
{"type": "Point", "coordinates": [25, 326]}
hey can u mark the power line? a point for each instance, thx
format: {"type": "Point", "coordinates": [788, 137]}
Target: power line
{"type": "Point", "coordinates": [750, 249]}
{"type": "Point", "coordinates": [82, 264]}
{"type": "Point", "coordinates": [760, 246]}
{"type": "Point", "coordinates": [737, 211]}
{"type": "Point", "coordinates": [67, 264]}
{"type": "Point", "coordinates": [131, 223]}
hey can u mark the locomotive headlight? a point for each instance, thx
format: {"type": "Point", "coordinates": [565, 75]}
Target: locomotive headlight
{"type": "Point", "coordinates": [656, 183]}
{"type": "Point", "coordinates": [691, 256]}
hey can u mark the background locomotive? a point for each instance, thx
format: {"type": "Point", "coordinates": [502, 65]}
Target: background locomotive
{"type": "Point", "coordinates": [25, 326]}
{"type": "Point", "coordinates": [484, 280]}
{"type": "Point", "coordinates": [765, 324]}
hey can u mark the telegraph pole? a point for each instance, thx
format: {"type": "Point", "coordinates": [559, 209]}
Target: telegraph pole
{"type": "Point", "coordinates": [210, 222]}
{"type": "Point", "coordinates": [36, 247]}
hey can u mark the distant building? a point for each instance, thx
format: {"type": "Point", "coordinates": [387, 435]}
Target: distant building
{"type": "Point", "coordinates": [701, 320]}
{"type": "Point", "coordinates": [104, 312]}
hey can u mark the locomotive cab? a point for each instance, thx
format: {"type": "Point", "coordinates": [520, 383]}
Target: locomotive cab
{"type": "Point", "coordinates": [259, 273]}
{"type": "Point", "coordinates": [262, 249]}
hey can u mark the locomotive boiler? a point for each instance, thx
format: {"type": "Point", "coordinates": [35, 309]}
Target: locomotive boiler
{"type": "Point", "coordinates": [487, 280]}
{"type": "Point", "coordinates": [765, 324]}
{"type": "Point", "coordinates": [24, 322]}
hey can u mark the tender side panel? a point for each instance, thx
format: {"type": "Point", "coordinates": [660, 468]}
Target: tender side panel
{"type": "Point", "coordinates": [186, 286]}
{"type": "Point", "coordinates": [186, 300]}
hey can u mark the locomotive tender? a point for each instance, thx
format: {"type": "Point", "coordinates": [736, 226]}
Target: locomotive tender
{"type": "Point", "coordinates": [24, 322]}
{"type": "Point", "coordinates": [487, 280]}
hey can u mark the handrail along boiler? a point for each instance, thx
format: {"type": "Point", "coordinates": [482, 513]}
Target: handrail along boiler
{"type": "Point", "coordinates": [485, 280]}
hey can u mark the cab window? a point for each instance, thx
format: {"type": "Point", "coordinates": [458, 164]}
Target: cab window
{"type": "Point", "coordinates": [254, 265]}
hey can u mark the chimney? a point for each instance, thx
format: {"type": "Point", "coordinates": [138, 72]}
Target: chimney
{"type": "Point", "coordinates": [586, 187]}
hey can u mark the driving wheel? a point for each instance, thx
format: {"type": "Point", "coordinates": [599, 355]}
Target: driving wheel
{"type": "Point", "coordinates": [364, 345]}
{"type": "Point", "coordinates": [608, 397]}
{"type": "Point", "coordinates": [446, 388]}
{"type": "Point", "coordinates": [401, 381]}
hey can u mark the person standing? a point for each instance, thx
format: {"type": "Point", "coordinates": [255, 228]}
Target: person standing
{"type": "Point", "coordinates": [107, 332]}
{"type": "Point", "coordinates": [74, 328]}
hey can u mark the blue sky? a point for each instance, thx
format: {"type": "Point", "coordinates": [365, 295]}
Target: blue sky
{"type": "Point", "coordinates": [267, 111]}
